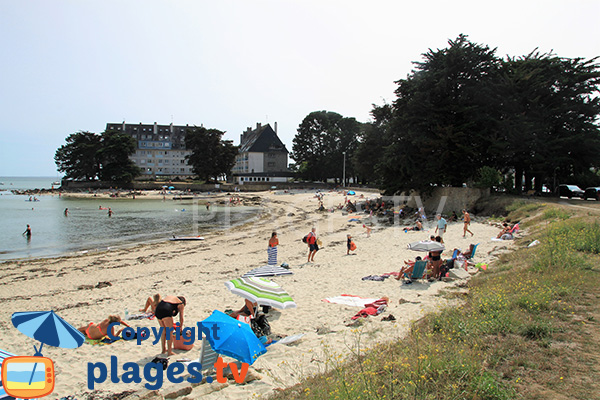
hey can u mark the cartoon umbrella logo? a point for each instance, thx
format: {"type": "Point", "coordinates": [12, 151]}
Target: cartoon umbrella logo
{"type": "Point", "coordinates": [48, 328]}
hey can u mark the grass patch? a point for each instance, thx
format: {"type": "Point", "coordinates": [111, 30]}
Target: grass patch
{"type": "Point", "coordinates": [525, 330]}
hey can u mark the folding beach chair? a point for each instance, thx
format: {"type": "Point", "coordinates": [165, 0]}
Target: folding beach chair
{"type": "Point", "coordinates": [418, 271]}
{"type": "Point", "coordinates": [208, 358]}
{"type": "Point", "coordinates": [473, 252]}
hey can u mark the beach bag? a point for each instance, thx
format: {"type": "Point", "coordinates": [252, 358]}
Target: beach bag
{"type": "Point", "coordinates": [319, 243]}
{"type": "Point", "coordinates": [260, 326]}
{"type": "Point", "coordinates": [352, 246]}
{"type": "Point", "coordinates": [163, 361]}
{"type": "Point", "coordinates": [305, 239]}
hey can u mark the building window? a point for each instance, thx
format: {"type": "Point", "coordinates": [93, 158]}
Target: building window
{"type": "Point", "coordinates": [270, 164]}
{"type": "Point", "coordinates": [271, 155]}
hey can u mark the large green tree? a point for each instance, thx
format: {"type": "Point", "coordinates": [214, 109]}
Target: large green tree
{"type": "Point", "coordinates": [372, 143]}
{"type": "Point", "coordinates": [211, 156]}
{"type": "Point", "coordinates": [444, 120]}
{"type": "Point", "coordinates": [464, 110]}
{"type": "Point", "coordinates": [78, 158]}
{"type": "Point", "coordinates": [550, 118]}
{"type": "Point", "coordinates": [116, 166]}
{"type": "Point", "coordinates": [319, 145]}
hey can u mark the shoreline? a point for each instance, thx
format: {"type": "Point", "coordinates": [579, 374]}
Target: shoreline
{"type": "Point", "coordinates": [198, 271]}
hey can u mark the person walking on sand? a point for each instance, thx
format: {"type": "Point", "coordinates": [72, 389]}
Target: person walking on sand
{"type": "Point", "coordinates": [272, 249]}
{"type": "Point", "coordinates": [350, 245]}
{"type": "Point", "coordinates": [311, 239]}
{"type": "Point", "coordinates": [27, 232]}
{"type": "Point", "coordinates": [467, 219]}
{"type": "Point", "coordinates": [110, 212]}
{"type": "Point", "coordinates": [441, 226]}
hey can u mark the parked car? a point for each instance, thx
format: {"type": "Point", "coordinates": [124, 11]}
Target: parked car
{"type": "Point", "coordinates": [592, 193]}
{"type": "Point", "coordinates": [570, 191]}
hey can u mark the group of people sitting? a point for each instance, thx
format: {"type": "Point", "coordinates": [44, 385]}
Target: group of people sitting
{"type": "Point", "coordinates": [436, 267]}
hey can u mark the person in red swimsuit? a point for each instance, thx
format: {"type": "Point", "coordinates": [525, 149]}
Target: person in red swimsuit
{"type": "Point", "coordinates": [98, 331]}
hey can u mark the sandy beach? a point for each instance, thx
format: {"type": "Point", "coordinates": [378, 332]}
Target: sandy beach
{"type": "Point", "coordinates": [198, 270]}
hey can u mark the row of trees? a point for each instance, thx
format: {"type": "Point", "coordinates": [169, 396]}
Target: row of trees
{"type": "Point", "coordinates": [89, 156]}
{"type": "Point", "coordinates": [462, 115]}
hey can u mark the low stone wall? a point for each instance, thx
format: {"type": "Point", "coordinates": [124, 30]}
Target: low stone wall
{"type": "Point", "coordinates": [446, 199]}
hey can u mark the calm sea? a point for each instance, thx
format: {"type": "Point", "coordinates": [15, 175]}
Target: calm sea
{"type": "Point", "coordinates": [87, 228]}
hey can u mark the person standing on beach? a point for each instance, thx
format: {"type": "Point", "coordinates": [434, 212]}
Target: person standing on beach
{"type": "Point", "coordinates": [27, 232]}
{"type": "Point", "coordinates": [272, 249]}
{"type": "Point", "coordinates": [441, 226]}
{"type": "Point", "coordinates": [311, 239]}
{"type": "Point", "coordinates": [169, 307]}
{"type": "Point", "coordinates": [350, 245]}
{"type": "Point", "coordinates": [110, 212]}
{"type": "Point", "coordinates": [467, 219]}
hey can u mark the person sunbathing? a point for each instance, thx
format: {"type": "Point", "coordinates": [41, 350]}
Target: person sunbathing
{"type": "Point", "coordinates": [408, 268]}
{"type": "Point", "coordinates": [249, 310]}
{"type": "Point", "coordinates": [505, 229]}
{"type": "Point", "coordinates": [418, 227]}
{"type": "Point", "coordinates": [151, 303]}
{"type": "Point", "coordinates": [98, 331]}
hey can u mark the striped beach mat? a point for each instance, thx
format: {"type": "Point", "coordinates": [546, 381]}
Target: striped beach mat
{"type": "Point", "coordinates": [267, 270]}
{"type": "Point", "coordinates": [3, 355]}
{"type": "Point", "coordinates": [272, 252]}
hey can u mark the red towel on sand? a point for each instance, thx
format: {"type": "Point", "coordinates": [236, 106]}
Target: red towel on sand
{"type": "Point", "coordinates": [371, 309]}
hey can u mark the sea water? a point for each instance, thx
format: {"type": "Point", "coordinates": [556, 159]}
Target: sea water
{"type": "Point", "coordinates": [88, 228]}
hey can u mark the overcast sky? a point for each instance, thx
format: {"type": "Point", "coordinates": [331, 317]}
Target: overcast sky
{"type": "Point", "coordinates": [75, 65]}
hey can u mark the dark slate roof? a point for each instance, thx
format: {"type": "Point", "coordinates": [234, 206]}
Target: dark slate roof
{"type": "Point", "coordinates": [262, 140]}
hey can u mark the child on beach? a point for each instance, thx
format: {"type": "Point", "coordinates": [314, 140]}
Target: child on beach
{"type": "Point", "coordinates": [350, 244]}
{"type": "Point", "coordinates": [368, 228]}
{"type": "Point", "coordinates": [272, 249]}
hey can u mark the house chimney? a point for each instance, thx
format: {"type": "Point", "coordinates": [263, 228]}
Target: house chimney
{"type": "Point", "coordinates": [275, 126]}
{"type": "Point", "coordinates": [258, 125]}
{"type": "Point", "coordinates": [241, 138]}
{"type": "Point", "coordinates": [155, 128]}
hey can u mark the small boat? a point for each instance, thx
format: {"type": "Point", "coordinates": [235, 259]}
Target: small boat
{"type": "Point", "coordinates": [56, 183]}
{"type": "Point", "coordinates": [175, 238]}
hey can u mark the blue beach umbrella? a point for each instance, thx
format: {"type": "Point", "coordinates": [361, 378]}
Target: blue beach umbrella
{"type": "Point", "coordinates": [351, 193]}
{"type": "Point", "coordinates": [171, 187]}
{"type": "Point", "coordinates": [233, 338]}
{"type": "Point", "coordinates": [48, 328]}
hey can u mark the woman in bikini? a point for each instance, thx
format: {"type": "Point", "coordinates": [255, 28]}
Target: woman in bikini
{"type": "Point", "coordinates": [98, 331]}
{"type": "Point", "coordinates": [169, 307]}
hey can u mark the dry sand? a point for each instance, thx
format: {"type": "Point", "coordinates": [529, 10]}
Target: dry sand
{"type": "Point", "coordinates": [198, 270]}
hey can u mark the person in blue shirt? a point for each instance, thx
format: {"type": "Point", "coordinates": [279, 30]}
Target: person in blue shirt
{"type": "Point", "coordinates": [441, 226]}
